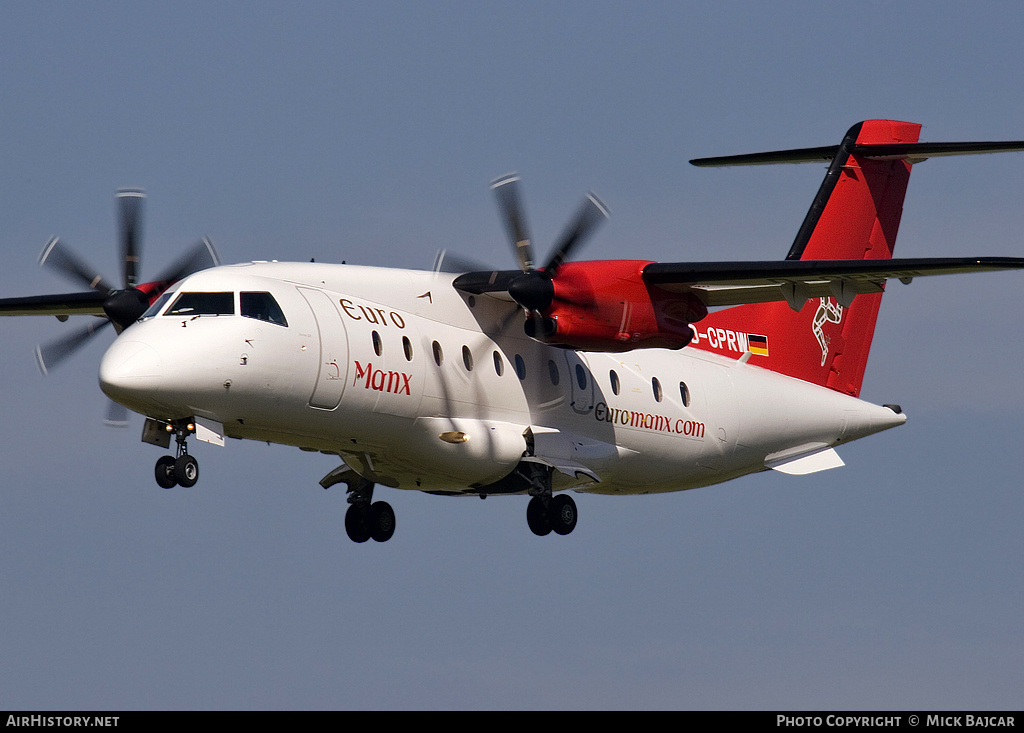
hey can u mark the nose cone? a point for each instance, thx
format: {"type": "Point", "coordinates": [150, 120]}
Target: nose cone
{"type": "Point", "coordinates": [130, 374]}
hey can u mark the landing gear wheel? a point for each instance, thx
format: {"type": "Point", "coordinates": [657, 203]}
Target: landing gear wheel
{"type": "Point", "coordinates": [537, 517]}
{"type": "Point", "coordinates": [380, 520]}
{"type": "Point", "coordinates": [186, 470]}
{"type": "Point", "coordinates": [562, 514]}
{"type": "Point", "coordinates": [355, 524]}
{"type": "Point", "coordinates": [165, 475]}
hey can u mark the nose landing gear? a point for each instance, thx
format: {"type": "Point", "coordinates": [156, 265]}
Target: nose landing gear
{"type": "Point", "coordinates": [182, 469]}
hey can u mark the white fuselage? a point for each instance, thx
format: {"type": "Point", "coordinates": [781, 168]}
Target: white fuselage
{"type": "Point", "coordinates": [418, 386]}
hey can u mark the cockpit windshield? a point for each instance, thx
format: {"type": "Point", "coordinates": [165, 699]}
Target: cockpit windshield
{"type": "Point", "coordinates": [259, 305]}
{"type": "Point", "coordinates": [203, 304]}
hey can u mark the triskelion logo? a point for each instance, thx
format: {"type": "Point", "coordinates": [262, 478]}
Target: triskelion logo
{"type": "Point", "coordinates": [828, 312]}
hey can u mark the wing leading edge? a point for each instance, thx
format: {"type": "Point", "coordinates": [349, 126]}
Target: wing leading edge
{"type": "Point", "coordinates": [792, 281]}
{"type": "Point", "coordinates": [89, 303]}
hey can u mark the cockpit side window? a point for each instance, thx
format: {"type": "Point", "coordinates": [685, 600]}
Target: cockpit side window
{"type": "Point", "coordinates": [262, 307]}
{"type": "Point", "coordinates": [157, 305]}
{"type": "Point", "coordinates": [203, 304]}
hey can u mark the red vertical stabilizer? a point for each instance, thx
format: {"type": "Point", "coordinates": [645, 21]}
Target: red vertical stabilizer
{"type": "Point", "coordinates": [855, 216]}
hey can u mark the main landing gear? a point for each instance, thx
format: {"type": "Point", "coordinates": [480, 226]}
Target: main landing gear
{"type": "Point", "coordinates": [547, 513]}
{"type": "Point", "coordinates": [179, 470]}
{"type": "Point", "coordinates": [558, 515]}
{"type": "Point", "coordinates": [365, 518]}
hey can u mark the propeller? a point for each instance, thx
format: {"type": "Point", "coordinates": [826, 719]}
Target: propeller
{"type": "Point", "coordinates": [120, 307]}
{"type": "Point", "coordinates": [533, 288]}
{"type": "Point", "coordinates": [445, 261]}
{"type": "Point", "coordinates": [506, 191]}
{"type": "Point", "coordinates": [50, 355]}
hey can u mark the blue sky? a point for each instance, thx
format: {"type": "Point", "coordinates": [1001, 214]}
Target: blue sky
{"type": "Point", "coordinates": [368, 133]}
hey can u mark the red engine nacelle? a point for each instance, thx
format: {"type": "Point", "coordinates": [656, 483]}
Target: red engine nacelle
{"type": "Point", "coordinates": [606, 306]}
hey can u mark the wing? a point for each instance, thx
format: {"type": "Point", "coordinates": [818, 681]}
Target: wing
{"type": "Point", "coordinates": [795, 281]}
{"type": "Point", "coordinates": [89, 303]}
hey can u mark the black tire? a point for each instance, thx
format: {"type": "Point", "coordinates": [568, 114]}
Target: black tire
{"type": "Point", "coordinates": [380, 521]}
{"type": "Point", "coordinates": [537, 517]}
{"type": "Point", "coordinates": [355, 524]}
{"type": "Point", "coordinates": [562, 514]}
{"type": "Point", "coordinates": [165, 476]}
{"type": "Point", "coordinates": [186, 471]}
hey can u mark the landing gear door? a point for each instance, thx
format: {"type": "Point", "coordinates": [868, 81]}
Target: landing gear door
{"type": "Point", "coordinates": [333, 343]}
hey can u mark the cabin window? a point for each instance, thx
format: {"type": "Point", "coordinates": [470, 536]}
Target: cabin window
{"type": "Point", "coordinates": [684, 393]}
{"type": "Point", "coordinates": [378, 347]}
{"type": "Point", "coordinates": [467, 358]}
{"type": "Point", "coordinates": [553, 372]}
{"type": "Point", "coordinates": [438, 353]}
{"type": "Point", "coordinates": [520, 368]}
{"type": "Point", "coordinates": [581, 376]}
{"type": "Point", "coordinates": [407, 348]}
{"type": "Point", "coordinates": [262, 307]}
{"type": "Point", "coordinates": [499, 364]}
{"type": "Point", "coordinates": [613, 377]}
{"type": "Point", "coordinates": [203, 304]}
{"type": "Point", "coordinates": [656, 386]}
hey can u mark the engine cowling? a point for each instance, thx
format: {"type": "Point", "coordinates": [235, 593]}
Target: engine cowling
{"type": "Point", "coordinates": [606, 306]}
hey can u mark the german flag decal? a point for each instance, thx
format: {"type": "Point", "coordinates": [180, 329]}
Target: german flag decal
{"type": "Point", "coordinates": [757, 344]}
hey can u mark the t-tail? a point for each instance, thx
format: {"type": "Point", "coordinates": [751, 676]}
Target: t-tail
{"type": "Point", "coordinates": [854, 216]}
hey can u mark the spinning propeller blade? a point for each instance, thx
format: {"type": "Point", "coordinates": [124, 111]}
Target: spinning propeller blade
{"type": "Point", "coordinates": [50, 355]}
{"type": "Point", "coordinates": [534, 289]}
{"type": "Point", "coordinates": [121, 307]}
{"type": "Point", "coordinates": [56, 255]}
{"type": "Point", "coordinates": [129, 203]}
{"type": "Point", "coordinates": [445, 261]}
{"type": "Point", "coordinates": [199, 256]}
{"type": "Point", "coordinates": [117, 415]}
{"type": "Point", "coordinates": [506, 191]}
{"type": "Point", "coordinates": [589, 216]}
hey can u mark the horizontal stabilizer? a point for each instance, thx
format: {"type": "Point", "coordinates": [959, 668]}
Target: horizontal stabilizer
{"type": "Point", "coordinates": [911, 152]}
